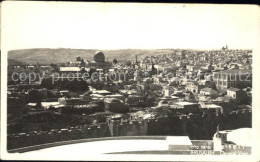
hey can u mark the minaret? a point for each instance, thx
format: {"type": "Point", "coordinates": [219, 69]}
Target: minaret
{"type": "Point", "coordinates": [136, 59]}
{"type": "Point", "coordinates": [153, 66]}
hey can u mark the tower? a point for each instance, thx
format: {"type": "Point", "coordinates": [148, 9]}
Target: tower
{"type": "Point", "coordinates": [153, 66]}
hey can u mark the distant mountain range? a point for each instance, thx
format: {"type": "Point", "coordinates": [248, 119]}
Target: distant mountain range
{"type": "Point", "coordinates": [62, 55]}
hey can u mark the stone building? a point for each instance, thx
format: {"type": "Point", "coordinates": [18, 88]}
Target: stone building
{"type": "Point", "coordinates": [237, 78]}
{"type": "Point", "coordinates": [99, 62]}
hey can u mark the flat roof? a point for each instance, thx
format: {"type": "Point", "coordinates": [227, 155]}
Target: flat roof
{"type": "Point", "coordinates": [47, 104]}
{"type": "Point", "coordinates": [101, 91]}
{"type": "Point", "coordinates": [185, 103]}
{"type": "Point", "coordinates": [233, 89]}
{"type": "Point", "coordinates": [115, 95]}
{"type": "Point", "coordinates": [69, 68]}
{"type": "Point", "coordinates": [212, 106]}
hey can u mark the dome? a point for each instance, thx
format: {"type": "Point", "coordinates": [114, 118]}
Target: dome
{"type": "Point", "coordinates": [99, 57]}
{"type": "Point", "coordinates": [78, 58]}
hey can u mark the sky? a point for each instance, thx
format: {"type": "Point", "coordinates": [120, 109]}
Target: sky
{"type": "Point", "coordinates": [82, 25]}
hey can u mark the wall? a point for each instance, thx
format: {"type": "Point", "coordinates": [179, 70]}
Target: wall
{"type": "Point", "coordinates": [128, 128]}
{"type": "Point", "coordinates": [73, 133]}
{"type": "Point", "coordinates": [194, 126]}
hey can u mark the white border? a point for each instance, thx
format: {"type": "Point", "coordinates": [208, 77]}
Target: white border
{"type": "Point", "coordinates": [256, 110]}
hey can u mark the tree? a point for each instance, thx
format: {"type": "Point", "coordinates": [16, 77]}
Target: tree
{"type": "Point", "coordinates": [230, 106]}
{"type": "Point", "coordinates": [76, 85]}
{"type": "Point", "coordinates": [82, 64]}
{"type": "Point", "coordinates": [213, 95]}
{"type": "Point", "coordinates": [34, 96]}
{"type": "Point", "coordinates": [54, 67]}
{"type": "Point", "coordinates": [128, 63]}
{"type": "Point", "coordinates": [115, 61]}
{"type": "Point", "coordinates": [83, 70]}
{"type": "Point", "coordinates": [47, 83]}
{"type": "Point", "coordinates": [153, 68]}
{"type": "Point", "coordinates": [38, 105]}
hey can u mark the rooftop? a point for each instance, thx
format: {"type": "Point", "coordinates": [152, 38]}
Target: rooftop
{"type": "Point", "coordinates": [185, 103]}
{"type": "Point", "coordinates": [101, 91]}
{"type": "Point", "coordinates": [236, 71]}
{"type": "Point", "coordinates": [212, 106]}
{"type": "Point", "coordinates": [233, 89]}
{"type": "Point", "coordinates": [70, 69]}
{"type": "Point", "coordinates": [113, 100]}
{"type": "Point", "coordinates": [208, 89]}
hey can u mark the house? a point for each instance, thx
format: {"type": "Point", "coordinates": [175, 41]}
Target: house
{"type": "Point", "coordinates": [189, 96]}
{"type": "Point", "coordinates": [208, 91]}
{"type": "Point", "coordinates": [102, 92]}
{"type": "Point", "coordinates": [238, 78]}
{"type": "Point", "coordinates": [134, 100]}
{"type": "Point", "coordinates": [118, 96]}
{"type": "Point", "coordinates": [186, 107]}
{"type": "Point", "coordinates": [211, 108]}
{"type": "Point", "coordinates": [168, 90]}
{"type": "Point", "coordinates": [207, 83]}
{"type": "Point", "coordinates": [235, 93]}
{"type": "Point", "coordinates": [71, 101]}
{"type": "Point", "coordinates": [190, 68]}
{"type": "Point", "coordinates": [193, 86]}
{"type": "Point", "coordinates": [85, 97]}
{"type": "Point", "coordinates": [69, 69]}
{"type": "Point", "coordinates": [163, 103]}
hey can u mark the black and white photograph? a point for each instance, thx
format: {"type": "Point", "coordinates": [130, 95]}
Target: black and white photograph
{"type": "Point", "coordinates": [129, 81]}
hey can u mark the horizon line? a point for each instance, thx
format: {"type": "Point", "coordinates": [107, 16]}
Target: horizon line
{"type": "Point", "coordinates": [131, 48]}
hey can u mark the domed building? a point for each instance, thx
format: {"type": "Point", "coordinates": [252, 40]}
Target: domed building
{"type": "Point", "coordinates": [78, 58]}
{"type": "Point", "coordinates": [99, 61]}
{"type": "Point", "coordinates": [99, 57]}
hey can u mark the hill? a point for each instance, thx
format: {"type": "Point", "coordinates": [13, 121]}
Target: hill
{"type": "Point", "coordinates": [15, 62]}
{"type": "Point", "coordinates": [62, 55]}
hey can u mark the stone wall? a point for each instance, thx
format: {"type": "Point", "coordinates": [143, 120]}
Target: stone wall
{"type": "Point", "coordinates": [109, 129]}
{"type": "Point", "coordinates": [194, 126]}
{"type": "Point", "coordinates": [42, 137]}
{"type": "Point", "coordinates": [128, 128]}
